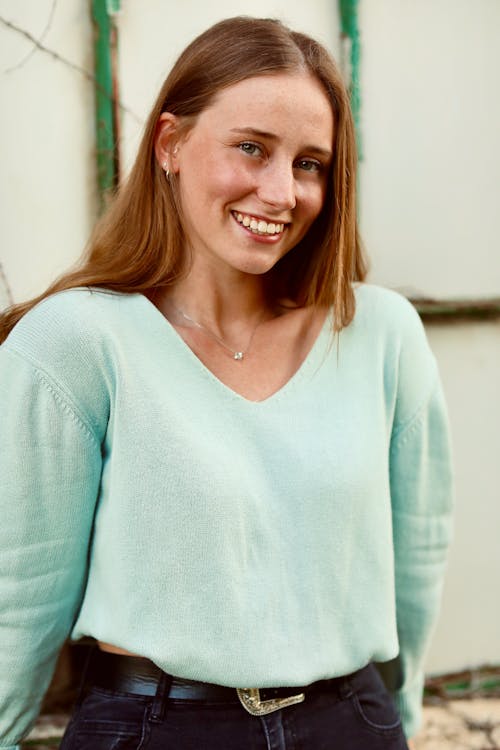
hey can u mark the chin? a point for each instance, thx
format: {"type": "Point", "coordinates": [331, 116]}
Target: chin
{"type": "Point", "coordinates": [256, 268]}
{"type": "Point", "coordinates": [259, 263]}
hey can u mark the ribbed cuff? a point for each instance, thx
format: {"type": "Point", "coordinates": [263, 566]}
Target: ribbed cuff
{"type": "Point", "coordinates": [409, 704]}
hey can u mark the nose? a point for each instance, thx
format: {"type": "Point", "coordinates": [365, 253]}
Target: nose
{"type": "Point", "coordinates": [277, 186]}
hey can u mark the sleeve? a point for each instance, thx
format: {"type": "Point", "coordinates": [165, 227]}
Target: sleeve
{"type": "Point", "coordinates": [50, 467]}
{"type": "Point", "coordinates": [421, 495]}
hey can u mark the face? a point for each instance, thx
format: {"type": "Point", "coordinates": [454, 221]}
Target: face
{"type": "Point", "coordinates": [253, 171]}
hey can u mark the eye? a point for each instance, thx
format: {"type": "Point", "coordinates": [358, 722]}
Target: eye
{"type": "Point", "coordinates": [309, 165]}
{"type": "Point", "coordinates": [250, 148]}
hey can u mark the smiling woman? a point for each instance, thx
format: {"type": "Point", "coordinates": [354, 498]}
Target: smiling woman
{"type": "Point", "coordinates": [239, 515]}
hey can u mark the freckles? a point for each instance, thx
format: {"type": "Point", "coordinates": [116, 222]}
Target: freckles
{"type": "Point", "coordinates": [229, 182]}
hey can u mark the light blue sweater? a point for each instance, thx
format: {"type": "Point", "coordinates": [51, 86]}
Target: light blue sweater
{"type": "Point", "coordinates": [241, 543]}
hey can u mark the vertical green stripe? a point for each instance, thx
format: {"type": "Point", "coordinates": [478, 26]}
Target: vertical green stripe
{"type": "Point", "coordinates": [350, 29]}
{"type": "Point", "coordinates": [104, 110]}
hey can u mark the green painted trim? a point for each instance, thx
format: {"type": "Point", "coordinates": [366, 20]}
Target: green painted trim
{"type": "Point", "coordinates": [105, 117]}
{"type": "Point", "coordinates": [474, 683]}
{"type": "Point", "coordinates": [350, 30]}
{"type": "Point", "coordinates": [437, 311]}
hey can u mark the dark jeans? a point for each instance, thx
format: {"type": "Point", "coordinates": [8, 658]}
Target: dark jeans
{"type": "Point", "coordinates": [358, 715]}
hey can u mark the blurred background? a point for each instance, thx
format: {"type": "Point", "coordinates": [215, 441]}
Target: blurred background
{"type": "Point", "coordinates": [427, 102]}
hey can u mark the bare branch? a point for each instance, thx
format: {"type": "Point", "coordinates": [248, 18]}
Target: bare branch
{"type": "Point", "coordinates": [40, 40]}
{"type": "Point", "coordinates": [56, 56]}
{"type": "Point", "coordinates": [5, 289]}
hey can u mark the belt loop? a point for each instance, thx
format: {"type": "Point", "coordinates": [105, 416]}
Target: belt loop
{"type": "Point", "coordinates": [160, 700]}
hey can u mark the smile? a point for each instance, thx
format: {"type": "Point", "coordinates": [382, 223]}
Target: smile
{"type": "Point", "coordinates": [258, 226]}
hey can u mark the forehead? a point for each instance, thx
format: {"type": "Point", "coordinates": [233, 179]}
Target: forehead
{"type": "Point", "coordinates": [295, 102]}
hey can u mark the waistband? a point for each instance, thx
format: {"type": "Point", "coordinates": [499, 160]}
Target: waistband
{"type": "Point", "coordinates": [140, 676]}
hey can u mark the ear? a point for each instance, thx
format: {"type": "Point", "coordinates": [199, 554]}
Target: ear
{"type": "Point", "coordinates": [165, 141]}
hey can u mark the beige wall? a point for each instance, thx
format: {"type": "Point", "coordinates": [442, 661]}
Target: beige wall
{"type": "Point", "coordinates": [431, 122]}
{"type": "Point", "coordinates": [47, 195]}
{"type": "Point", "coordinates": [468, 632]}
{"type": "Point", "coordinates": [429, 202]}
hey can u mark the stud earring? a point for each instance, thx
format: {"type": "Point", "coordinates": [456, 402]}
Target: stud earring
{"type": "Point", "coordinates": [166, 170]}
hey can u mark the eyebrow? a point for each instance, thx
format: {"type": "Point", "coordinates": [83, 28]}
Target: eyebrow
{"type": "Point", "coordinates": [273, 137]}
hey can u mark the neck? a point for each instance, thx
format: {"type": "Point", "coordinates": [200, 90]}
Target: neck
{"type": "Point", "coordinates": [228, 310]}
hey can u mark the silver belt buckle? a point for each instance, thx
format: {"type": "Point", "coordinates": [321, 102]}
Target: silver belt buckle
{"type": "Point", "coordinates": [251, 702]}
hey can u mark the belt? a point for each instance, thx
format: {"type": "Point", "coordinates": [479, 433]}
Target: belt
{"type": "Point", "coordinates": [134, 674]}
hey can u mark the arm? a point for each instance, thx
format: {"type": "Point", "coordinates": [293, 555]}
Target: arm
{"type": "Point", "coordinates": [50, 464]}
{"type": "Point", "coordinates": [421, 494]}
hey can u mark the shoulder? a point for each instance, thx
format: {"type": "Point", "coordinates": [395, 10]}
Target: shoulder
{"type": "Point", "coordinates": [75, 321]}
{"type": "Point", "coordinates": [69, 340]}
{"type": "Point", "coordinates": [385, 306]}
{"type": "Point", "coordinates": [69, 308]}
{"type": "Point", "coordinates": [388, 319]}
{"type": "Point", "coordinates": [391, 326]}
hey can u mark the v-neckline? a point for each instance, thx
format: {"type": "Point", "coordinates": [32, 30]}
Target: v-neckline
{"type": "Point", "coordinates": [207, 372]}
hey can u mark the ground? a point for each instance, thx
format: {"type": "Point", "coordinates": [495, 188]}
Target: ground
{"type": "Point", "coordinates": [461, 725]}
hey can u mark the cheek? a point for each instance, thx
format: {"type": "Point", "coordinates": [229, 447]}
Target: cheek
{"type": "Point", "coordinates": [211, 192]}
{"type": "Point", "coordinates": [312, 203]}
{"type": "Point", "coordinates": [228, 184]}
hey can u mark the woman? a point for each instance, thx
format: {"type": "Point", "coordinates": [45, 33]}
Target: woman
{"type": "Point", "coordinates": [226, 458]}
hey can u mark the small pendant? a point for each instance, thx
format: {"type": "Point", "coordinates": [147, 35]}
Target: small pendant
{"type": "Point", "coordinates": [238, 355]}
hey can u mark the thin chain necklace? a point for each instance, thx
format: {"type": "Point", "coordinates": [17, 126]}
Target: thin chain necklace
{"type": "Point", "coordinates": [237, 354]}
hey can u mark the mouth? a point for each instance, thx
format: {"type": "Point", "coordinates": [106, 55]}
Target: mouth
{"type": "Point", "coordinates": [259, 226]}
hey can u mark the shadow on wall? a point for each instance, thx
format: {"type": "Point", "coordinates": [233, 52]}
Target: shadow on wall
{"type": "Point", "coordinates": [5, 293]}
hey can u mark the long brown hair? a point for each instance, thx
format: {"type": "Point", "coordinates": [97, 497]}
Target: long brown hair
{"type": "Point", "coordinates": [138, 245]}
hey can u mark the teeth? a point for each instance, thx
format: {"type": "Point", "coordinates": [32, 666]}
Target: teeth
{"type": "Point", "coordinates": [258, 226]}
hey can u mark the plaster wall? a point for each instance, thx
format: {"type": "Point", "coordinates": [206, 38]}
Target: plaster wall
{"type": "Point", "coordinates": [468, 633]}
{"type": "Point", "coordinates": [47, 180]}
{"type": "Point", "coordinates": [431, 121]}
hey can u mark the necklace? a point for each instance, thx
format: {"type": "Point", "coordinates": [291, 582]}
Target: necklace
{"type": "Point", "coordinates": [237, 354]}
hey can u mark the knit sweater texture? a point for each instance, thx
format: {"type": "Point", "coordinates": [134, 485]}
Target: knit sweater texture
{"type": "Point", "coordinates": [249, 544]}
